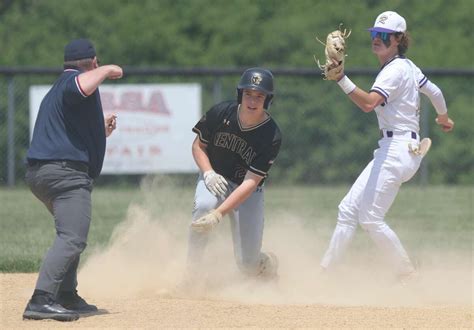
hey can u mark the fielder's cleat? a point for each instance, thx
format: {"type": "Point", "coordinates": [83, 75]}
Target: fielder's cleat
{"type": "Point", "coordinates": [44, 307]}
{"type": "Point", "coordinates": [72, 301]}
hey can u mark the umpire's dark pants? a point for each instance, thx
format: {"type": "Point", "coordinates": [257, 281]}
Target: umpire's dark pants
{"type": "Point", "coordinates": [65, 188]}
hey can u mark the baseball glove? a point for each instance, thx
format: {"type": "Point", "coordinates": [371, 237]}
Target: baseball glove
{"type": "Point", "coordinates": [335, 52]}
{"type": "Point", "coordinates": [207, 222]}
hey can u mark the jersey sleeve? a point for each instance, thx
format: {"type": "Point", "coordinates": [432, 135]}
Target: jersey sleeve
{"type": "Point", "coordinates": [73, 93]}
{"type": "Point", "coordinates": [435, 95]}
{"type": "Point", "coordinates": [208, 123]}
{"type": "Point", "coordinates": [419, 76]}
{"type": "Point", "coordinates": [388, 82]}
{"type": "Point", "coordinates": [264, 161]}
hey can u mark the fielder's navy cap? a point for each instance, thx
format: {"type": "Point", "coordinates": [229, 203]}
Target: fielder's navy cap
{"type": "Point", "coordinates": [78, 49]}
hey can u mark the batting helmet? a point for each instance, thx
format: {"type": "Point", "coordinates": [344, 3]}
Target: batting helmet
{"type": "Point", "coordinates": [257, 79]}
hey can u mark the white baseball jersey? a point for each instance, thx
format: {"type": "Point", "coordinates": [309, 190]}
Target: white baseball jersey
{"type": "Point", "coordinates": [399, 82]}
{"type": "Point", "coordinates": [370, 197]}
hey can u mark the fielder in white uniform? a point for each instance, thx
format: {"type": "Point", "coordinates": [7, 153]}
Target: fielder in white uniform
{"type": "Point", "coordinates": [395, 97]}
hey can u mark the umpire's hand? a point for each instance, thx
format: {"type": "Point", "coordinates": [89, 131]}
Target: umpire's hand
{"type": "Point", "coordinates": [110, 123]}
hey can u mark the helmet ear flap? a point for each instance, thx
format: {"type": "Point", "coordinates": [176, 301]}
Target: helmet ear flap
{"type": "Point", "coordinates": [268, 101]}
{"type": "Point", "coordinates": [239, 96]}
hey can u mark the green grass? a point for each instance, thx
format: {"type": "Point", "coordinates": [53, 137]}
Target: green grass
{"type": "Point", "coordinates": [425, 218]}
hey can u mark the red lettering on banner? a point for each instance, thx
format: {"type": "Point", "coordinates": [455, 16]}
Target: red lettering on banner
{"type": "Point", "coordinates": [155, 151]}
{"type": "Point", "coordinates": [137, 151]}
{"type": "Point", "coordinates": [125, 152]}
{"type": "Point", "coordinates": [133, 101]}
{"type": "Point", "coordinates": [157, 104]}
{"type": "Point", "coordinates": [155, 129]}
{"type": "Point", "coordinates": [111, 150]}
{"type": "Point", "coordinates": [107, 100]}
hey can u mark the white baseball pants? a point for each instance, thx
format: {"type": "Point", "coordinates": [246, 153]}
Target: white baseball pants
{"type": "Point", "coordinates": [369, 199]}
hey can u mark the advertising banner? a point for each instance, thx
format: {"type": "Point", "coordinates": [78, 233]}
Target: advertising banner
{"type": "Point", "coordinates": [154, 123]}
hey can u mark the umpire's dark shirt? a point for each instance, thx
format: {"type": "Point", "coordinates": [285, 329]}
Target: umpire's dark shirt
{"type": "Point", "coordinates": [70, 125]}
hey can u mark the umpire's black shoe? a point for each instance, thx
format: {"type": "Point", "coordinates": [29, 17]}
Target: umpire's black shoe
{"type": "Point", "coordinates": [72, 301]}
{"type": "Point", "coordinates": [43, 307]}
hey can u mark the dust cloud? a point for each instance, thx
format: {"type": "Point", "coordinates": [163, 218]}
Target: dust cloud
{"type": "Point", "coordinates": [146, 256]}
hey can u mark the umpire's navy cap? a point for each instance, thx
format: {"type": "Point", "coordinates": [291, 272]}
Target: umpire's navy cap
{"type": "Point", "coordinates": [78, 49]}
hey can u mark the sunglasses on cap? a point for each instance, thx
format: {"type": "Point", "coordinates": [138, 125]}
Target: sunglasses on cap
{"type": "Point", "coordinates": [384, 36]}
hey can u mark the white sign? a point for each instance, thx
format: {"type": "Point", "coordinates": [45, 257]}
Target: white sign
{"type": "Point", "coordinates": [154, 125]}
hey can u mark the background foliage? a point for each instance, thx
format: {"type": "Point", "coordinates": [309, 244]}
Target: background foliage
{"type": "Point", "coordinates": [326, 138]}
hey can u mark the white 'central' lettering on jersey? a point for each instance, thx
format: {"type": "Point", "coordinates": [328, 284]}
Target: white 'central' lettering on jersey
{"type": "Point", "coordinates": [236, 144]}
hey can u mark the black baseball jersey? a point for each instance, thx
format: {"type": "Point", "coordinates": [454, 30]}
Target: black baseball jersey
{"type": "Point", "coordinates": [234, 150]}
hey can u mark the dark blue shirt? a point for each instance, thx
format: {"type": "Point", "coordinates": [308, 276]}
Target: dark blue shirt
{"type": "Point", "coordinates": [70, 125]}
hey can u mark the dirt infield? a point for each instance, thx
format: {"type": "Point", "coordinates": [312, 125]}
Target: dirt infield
{"type": "Point", "coordinates": [161, 310]}
{"type": "Point", "coordinates": [134, 279]}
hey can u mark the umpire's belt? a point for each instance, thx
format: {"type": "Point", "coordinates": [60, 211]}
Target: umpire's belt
{"type": "Point", "coordinates": [75, 165]}
{"type": "Point", "coordinates": [389, 134]}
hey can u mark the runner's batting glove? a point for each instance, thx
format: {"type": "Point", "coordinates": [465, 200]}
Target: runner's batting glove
{"type": "Point", "coordinates": [206, 223]}
{"type": "Point", "coordinates": [215, 183]}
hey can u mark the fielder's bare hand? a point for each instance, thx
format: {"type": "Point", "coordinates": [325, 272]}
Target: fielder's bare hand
{"type": "Point", "coordinates": [445, 122]}
{"type": "Point", "coordinates": [110, 123]}
{"type": "Point", "coordinates": [206, 223]}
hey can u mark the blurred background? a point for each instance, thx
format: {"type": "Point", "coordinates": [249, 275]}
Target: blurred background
{"type": "Point", "coordinates": [326, 139]}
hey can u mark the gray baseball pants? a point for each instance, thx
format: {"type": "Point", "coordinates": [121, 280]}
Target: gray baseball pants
{"type": "Point", "coordinates": [66, 192]}
{"type": "Point", "coordinates": [247, 222]}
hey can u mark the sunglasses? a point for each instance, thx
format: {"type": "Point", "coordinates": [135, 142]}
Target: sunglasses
{"type": "Point", "coordinates": [382, 35]}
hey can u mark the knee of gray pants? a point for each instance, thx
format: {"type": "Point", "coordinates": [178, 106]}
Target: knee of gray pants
{"type": "Point", "coordinates": [74, 245]}
{"type": "Point", "coordinates": [203, 206]}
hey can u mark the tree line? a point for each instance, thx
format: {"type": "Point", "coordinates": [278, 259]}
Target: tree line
{"type": "Point", "coordinates": [326, 138]}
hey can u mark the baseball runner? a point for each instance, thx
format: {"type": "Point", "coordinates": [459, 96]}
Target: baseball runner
{"type": "Point", "coordinates": [395, 98]}
{"type": "Point", "coordinates": [235, 146]}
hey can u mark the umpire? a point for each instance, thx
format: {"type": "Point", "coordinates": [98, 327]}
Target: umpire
{"type": "Point", "coordinates": [65, 156]}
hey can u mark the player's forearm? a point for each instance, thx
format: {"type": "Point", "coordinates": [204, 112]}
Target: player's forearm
{"type": "Point", "coordinates": [90, 80]}
{"type": "Point", "coordinates": [238, 196]}
{"type": "Point", "coordinates": [200, 156]}
{"type": "Point", "coordinates": [365, 101]}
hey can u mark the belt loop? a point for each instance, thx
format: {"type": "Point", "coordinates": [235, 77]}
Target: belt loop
{"type": "Point", "coordinates": [63, 164]}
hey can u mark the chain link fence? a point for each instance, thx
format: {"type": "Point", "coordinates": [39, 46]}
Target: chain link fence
{"type": "Point", "coordinates": [326, 140]}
